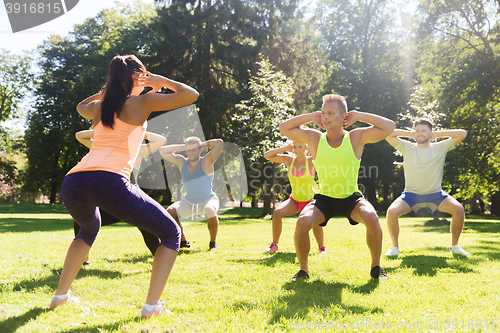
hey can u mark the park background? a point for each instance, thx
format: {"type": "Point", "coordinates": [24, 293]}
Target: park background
{"type": "Point", "coordinates": [256, 63]}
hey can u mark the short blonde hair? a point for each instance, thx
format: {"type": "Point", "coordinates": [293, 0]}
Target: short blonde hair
{"type": "Point", "coordinates": [192, 140]}
{"type": "Point", "coordinates": [338, 100]}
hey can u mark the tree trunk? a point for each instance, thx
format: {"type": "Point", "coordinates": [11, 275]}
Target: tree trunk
{"type": "Point", "coordinates": [495, 204]}
{"type": "Point", "coordinates": [268, 195]}
{"type": "Point", "coordinates": [53, 192]}
{"type": "Point", "coordinates": [254, 200]}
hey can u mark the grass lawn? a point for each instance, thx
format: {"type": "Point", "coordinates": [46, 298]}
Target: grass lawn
{"type": "Point", "coordinates": [239, 288]}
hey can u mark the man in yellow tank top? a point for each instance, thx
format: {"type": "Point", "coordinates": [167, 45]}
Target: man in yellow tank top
{"type": "Point", "coordinates": [337, 155]}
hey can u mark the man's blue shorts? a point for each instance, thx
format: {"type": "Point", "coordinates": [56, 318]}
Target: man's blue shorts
{"type": "Point", "coordinates": [429, 202]}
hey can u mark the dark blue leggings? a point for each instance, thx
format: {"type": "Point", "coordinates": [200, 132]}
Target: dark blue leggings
{"type": "Point", "coordinates": [151, 240]}
{"type": "Point", "coordinates": [83, 192]}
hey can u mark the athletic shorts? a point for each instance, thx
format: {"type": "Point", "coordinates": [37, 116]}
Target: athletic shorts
{"type": "Point", "coordinates": [186, 209]}
{"type": "Point", "coordinates": [331, 207]}
{"type": "Point", "coordinates": [429, 202]}
{"type": "Point", "coordinates": [301, 204]}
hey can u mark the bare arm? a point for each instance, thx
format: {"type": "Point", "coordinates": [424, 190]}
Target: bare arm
{"type": "Point", "coordinates": [215, 146]}
{"type": "Point", "coordinates": [183, 94]}
{"type": "Point", "coordinates": [380, 129]}
{"type": "Point", "coordinates": [292, 129]}
{"type": "Point", "coordinates": [86, 107]}
{"type": "Point", "coordinates": [458, 135]}
{"type": "Point", "coordinates": [169, 153]}
{"type": "Point", "coordinates": [393, 138]}
{"type": "Point", "coordinates": [155, 143]}
{"type": "Point", "coordinates": [276, 155]}
{"type": "Point", "coordinates": [85, 137]}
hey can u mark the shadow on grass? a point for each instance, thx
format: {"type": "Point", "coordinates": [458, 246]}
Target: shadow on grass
{"type": "Point", "coordinates": [191, 251]}
{"type": "Point", "coordinates": [437, 222]}
{"type": "Point", "coordinates": [270, 260]}
{"type": "Point", "coordinates": [131, 258]}
{"type": "Point", "coordinates": [479, 225]}
{"type": "Point", "coordinates": [318, 295]}
{"type": "Point", "coordinates": [112, 327]}
{"type": "Point", "coordinates": [25, 208]}
{"type": "Point", "coordinates": [488, 249]}
{"type": "Point", "coordinates": [30, 225]}
{"type": "Point", "coordinates": [244, 212]}
{"type": "Point", "coordinates": [11, 324]}
{"type": "Point", "coordinates": [53, 279]}
{"type": "Point", "coordinates": [430, 265]}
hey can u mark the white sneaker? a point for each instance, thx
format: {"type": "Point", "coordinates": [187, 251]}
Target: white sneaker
{"type": "Point", "coordinates": [456, 249]}
{"type": "Point", "coordinates": [393, 251]}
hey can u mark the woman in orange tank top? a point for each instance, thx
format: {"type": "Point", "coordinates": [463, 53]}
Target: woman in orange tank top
{"type": "Point", "coordinates": [102, 178]}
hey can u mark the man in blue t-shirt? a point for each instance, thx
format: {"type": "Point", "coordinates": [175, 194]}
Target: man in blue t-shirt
{"type": "Point", "coordinates": [423, 163]}
{"type": "Point", "coordinates": [197, 175]}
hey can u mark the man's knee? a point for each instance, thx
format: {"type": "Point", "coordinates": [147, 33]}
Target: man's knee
{"type": "Point", "coordinates": [371, 220]}
{"type": "Point", "coordinates": [303, 225]}
{"type": "Point", "coordinates": [393, 212]}
{"type": "Point", "coordinates": [210, 212]}
{"type": "Point", "coordinates": [458, 210]}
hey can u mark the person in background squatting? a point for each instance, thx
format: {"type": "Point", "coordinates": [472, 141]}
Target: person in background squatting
{"type": "Point", "coordinates": [102, 177]}
{"type": "Point", "coordinates": [301, 176]}
{"type": "Point", "coordinates": [339, 194]}
{"type": "Point", "coordinates": [155, 141]}
{"type": "Point", "coordinates": [423, 163]}
{"type": "Point", "coordinates": [197, 174]}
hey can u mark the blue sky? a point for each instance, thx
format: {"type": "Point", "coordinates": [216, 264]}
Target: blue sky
{"type": "Point", "coordinates": [31, 38]}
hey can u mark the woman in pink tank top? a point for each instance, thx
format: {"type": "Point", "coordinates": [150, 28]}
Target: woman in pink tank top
{"type": "Point", "coordinates": [102, 178]}
{"type": "Point", "coordinates": [297, 166]}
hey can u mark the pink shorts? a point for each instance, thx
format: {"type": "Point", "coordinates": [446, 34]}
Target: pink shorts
{"type": "Point", "coordinates": [301, 204]}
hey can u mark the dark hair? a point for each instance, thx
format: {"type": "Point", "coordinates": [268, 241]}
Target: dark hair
{"type": "Point", "coordinates": [118, 87]}
{"type": "Point", "coordinates": [423, 121]}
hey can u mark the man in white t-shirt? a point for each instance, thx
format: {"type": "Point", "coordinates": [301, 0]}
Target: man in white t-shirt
{"type": "Point", "coordinates": [423, 163]}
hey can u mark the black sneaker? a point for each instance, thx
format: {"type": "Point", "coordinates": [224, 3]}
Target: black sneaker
{"type": "Point", "coordinates": [300, 275]}
{"type": "Point", "coordinates": [212, 246]}
{"type": "Point", "coordinates": [378, 273]}
{"type": "Point", "coordinates": [185, 244]}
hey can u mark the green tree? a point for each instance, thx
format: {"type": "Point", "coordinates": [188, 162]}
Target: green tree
{"type": "Point", "coordinates": [211, 45]}
{"type": "Point", "coordinates": [270, 104]}
{"type": "Point", "coordinates": [15, 83]}
{"type": "Point", "coordinates": [367, 66]}
{"type": "Point", "coordinates": [459, 72]}
{"type": "Point", "coordinates": [72, 68]}
{"type": "Point", "coordinates": [293, 45]}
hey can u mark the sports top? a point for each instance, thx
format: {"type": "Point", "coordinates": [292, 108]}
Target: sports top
{"type": "Point", "coordinates": [337, 168]}
{"type": "Point", "coordinates": [113, 149]}
{"type": "Point", "coordinates": [423, 168]}
{"type": "Point", "coordinates": [197, 184]}
{"type": "Point", "coordinates": [302, 185]}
